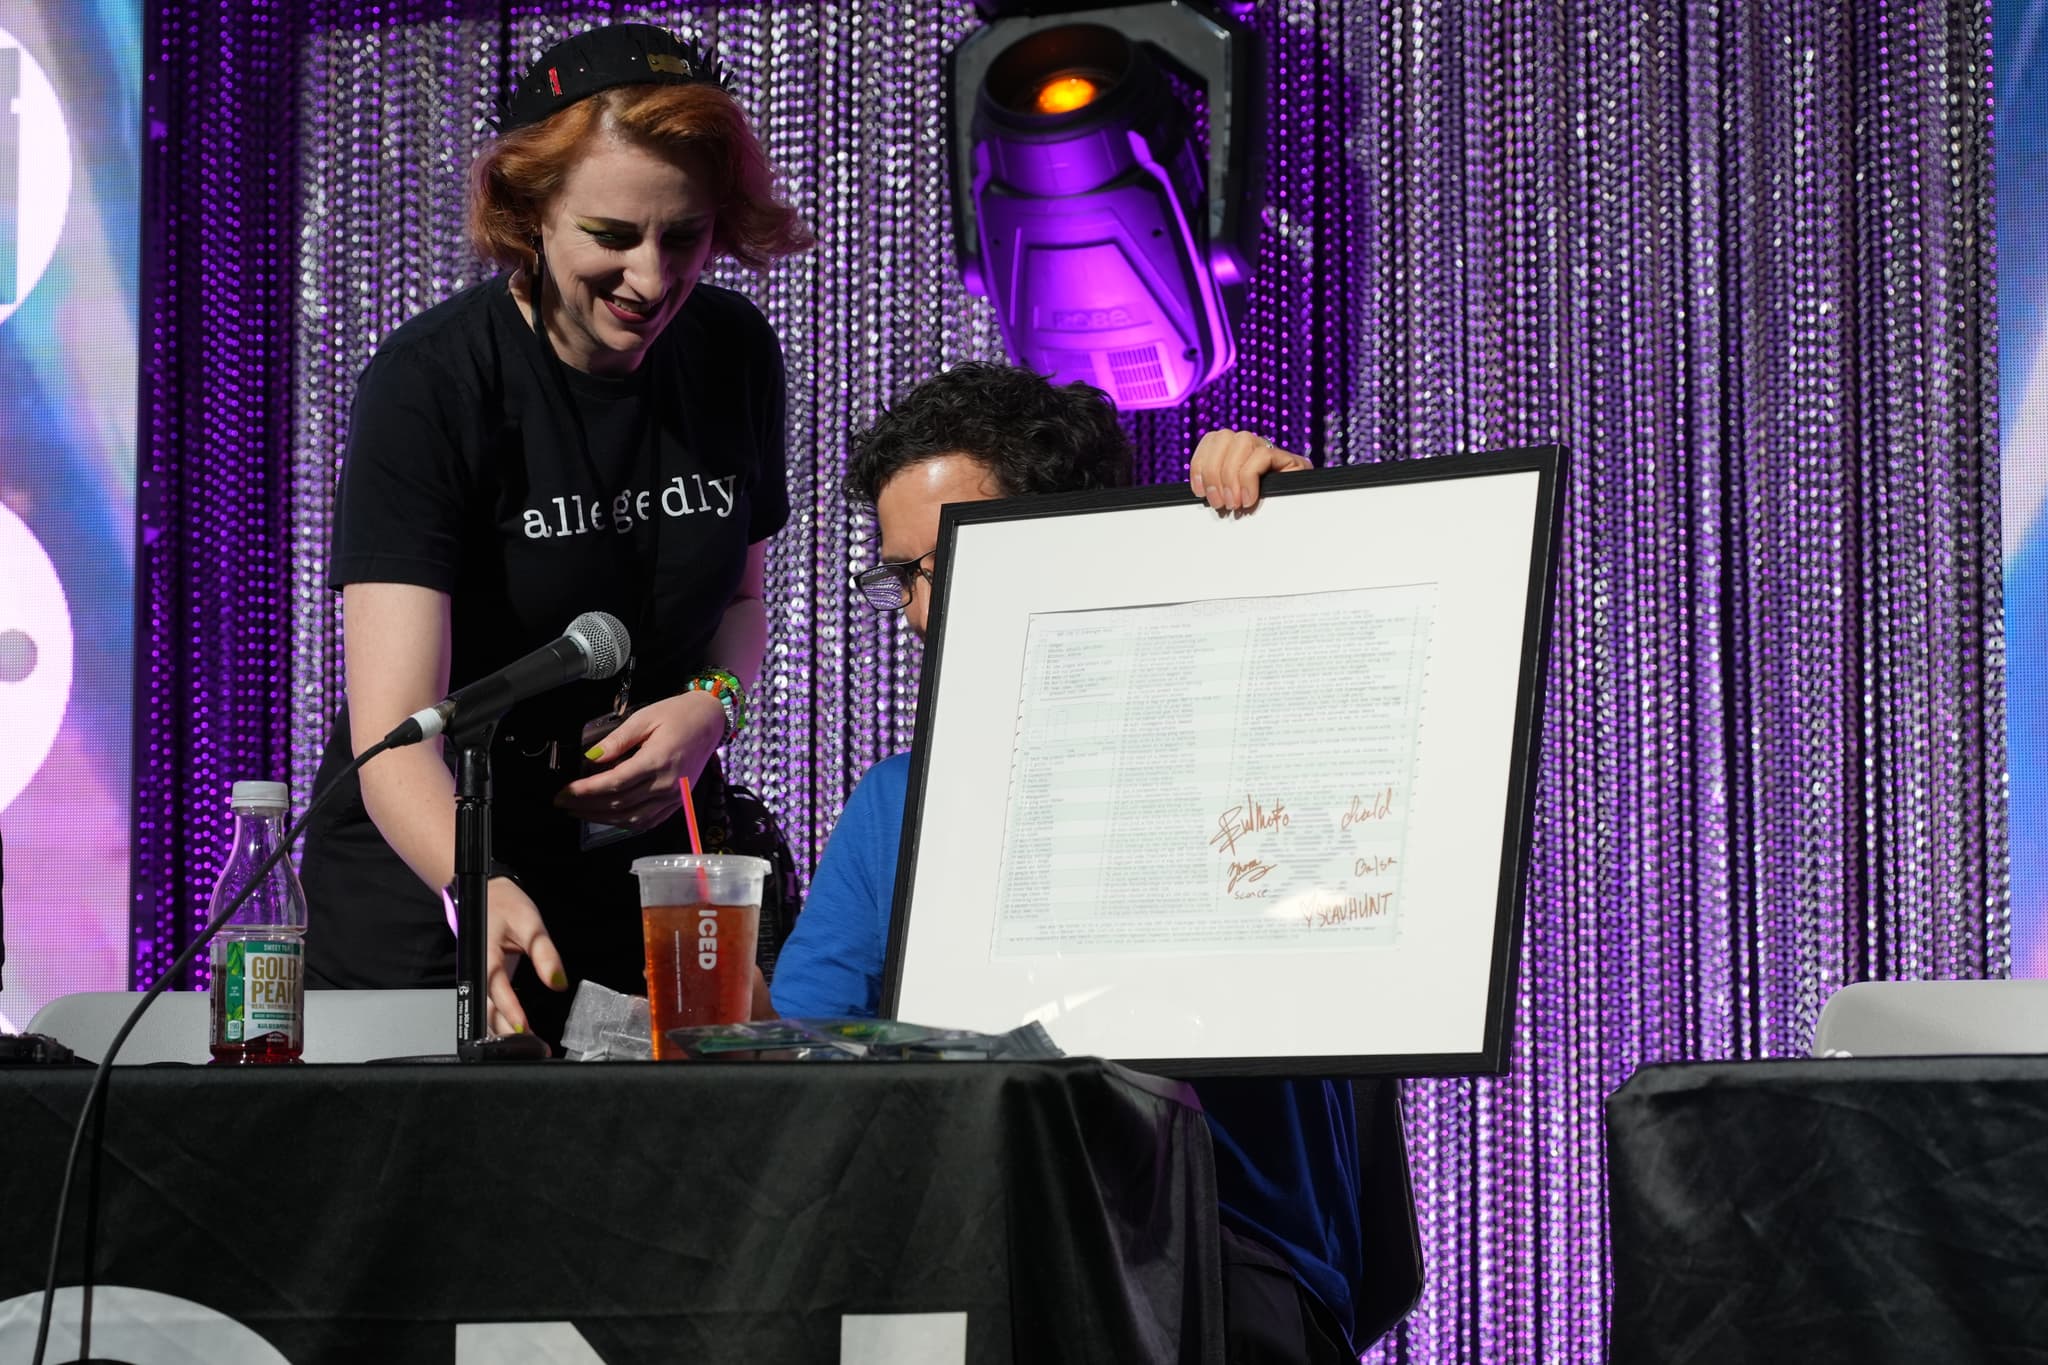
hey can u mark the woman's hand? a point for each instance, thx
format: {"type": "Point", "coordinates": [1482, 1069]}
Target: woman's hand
{"type": "Point", "coordinates": [1228, 465]}
{"type": "Point", "coordinates": [643, 759]}
{"type": "Point", "coordinates": [514, 929]}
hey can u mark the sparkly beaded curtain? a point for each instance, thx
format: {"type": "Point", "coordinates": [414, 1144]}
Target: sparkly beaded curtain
{"type": "Point", "coordinates": [216, 549]}
{"type": "Point", "coordinates": [393, 101]}
{"type": "Point", "coordinates": [1737, 257]}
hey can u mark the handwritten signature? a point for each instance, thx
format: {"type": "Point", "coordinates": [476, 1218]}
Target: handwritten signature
{"type": "Point", "coordinates": [1247, 872]}
{"type": "Point", "coordinates": [1362, 809]}
{"type": "Point", "coordinates": [1366, 905]}
{"type": "Point", "coordinates": [1249, 818]}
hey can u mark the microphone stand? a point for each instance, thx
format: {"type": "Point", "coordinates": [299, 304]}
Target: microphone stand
{"type": "Point", "coordinates": [473, 1042]}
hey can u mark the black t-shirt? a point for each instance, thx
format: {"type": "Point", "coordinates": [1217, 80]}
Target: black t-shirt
{"type": "Point", "coordinates": [480, 466]}
{"type": "Point", "coordinates": [469, 471]}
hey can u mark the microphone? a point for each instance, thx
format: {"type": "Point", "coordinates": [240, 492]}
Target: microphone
{"type": "Point", "coordinates": [594, 646]}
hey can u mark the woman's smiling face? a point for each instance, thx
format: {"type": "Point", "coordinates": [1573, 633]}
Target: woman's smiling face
{"type": "Point", "coordinates": [623, 241]}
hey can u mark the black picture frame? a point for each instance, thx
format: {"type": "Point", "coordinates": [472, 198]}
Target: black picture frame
{"type": "Point", "coordinates": [1549, 464]}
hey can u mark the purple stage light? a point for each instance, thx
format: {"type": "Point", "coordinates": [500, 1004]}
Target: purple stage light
{"type": "Point", "coordinates": [1083, 209]}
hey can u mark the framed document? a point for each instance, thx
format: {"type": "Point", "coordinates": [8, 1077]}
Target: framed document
{"type": "Point", "coordinates": [1234, 795]}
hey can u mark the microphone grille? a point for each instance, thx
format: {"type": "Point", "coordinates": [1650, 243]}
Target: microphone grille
{"type": "Point", "coordinates": [604, 639]}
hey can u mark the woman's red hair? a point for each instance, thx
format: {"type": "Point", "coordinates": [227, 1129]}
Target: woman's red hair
{"type": "Point", "coordinates": [512, 179]}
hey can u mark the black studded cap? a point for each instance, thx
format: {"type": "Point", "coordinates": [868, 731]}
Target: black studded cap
{"type": "Point", "coordinates": [621, 54]}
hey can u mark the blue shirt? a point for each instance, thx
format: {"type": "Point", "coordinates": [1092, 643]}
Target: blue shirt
{"type": "Point", "coordinates": [1286, 1151]}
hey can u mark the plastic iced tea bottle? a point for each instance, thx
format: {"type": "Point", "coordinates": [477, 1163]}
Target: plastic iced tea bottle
{"type": "Point", "coordinates": [259, 1001]}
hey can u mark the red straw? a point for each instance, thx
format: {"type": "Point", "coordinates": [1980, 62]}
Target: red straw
{"type": "Point", "coordinates": [690, 814]}
{"type": "Point", "coordinates": [696, 839]}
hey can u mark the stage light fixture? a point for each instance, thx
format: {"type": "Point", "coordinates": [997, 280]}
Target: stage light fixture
{"type": "Point", "coordinates": [1112, 251]}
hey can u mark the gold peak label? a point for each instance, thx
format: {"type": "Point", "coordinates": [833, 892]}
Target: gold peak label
{"type": "Point", "coordinates": [261, 981]}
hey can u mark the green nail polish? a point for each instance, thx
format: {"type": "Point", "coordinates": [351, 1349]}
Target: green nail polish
{"type": "Point", "coordinates": [594, 752]}
{"type": "Point", "coordinates": [560, 980]}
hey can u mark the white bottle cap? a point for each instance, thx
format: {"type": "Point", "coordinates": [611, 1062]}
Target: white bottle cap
{"type": "Point", "coordinates": [261, 796]}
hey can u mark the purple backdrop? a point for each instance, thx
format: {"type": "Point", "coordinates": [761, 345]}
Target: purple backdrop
{"type": "Point", "coordinates": [1737, 256]}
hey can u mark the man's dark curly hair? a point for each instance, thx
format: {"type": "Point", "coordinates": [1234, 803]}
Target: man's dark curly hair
{"type": "Point", "coordinates": [1034, 437]}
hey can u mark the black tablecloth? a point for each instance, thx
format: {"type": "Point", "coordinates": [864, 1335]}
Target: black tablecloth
{"type": "Point", "coordinates": [676, 1212]}
{"type": "Point", "coordinates": [1866, 1210]}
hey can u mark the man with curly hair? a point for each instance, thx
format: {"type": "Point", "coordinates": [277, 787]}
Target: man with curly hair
{"type": "Point", "coordinates": [1287, 1169]}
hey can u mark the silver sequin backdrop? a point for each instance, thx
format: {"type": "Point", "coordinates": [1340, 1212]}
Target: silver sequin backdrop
{"type": "Point", "coordinates": [1738, 256]}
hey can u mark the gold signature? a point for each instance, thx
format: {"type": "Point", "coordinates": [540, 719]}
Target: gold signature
{"type": "Point", "coordinates": [1249, 818]}
{"type": "Point", "coordinates": [1250, 871]}
{"type": "Point", "coordinates": [1365, 905]}
{"type": "Point", "coordinates": [1378, 806]}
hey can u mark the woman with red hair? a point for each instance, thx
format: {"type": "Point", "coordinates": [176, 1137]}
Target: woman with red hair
{"type": "Point", "coordinates": [594, 429]}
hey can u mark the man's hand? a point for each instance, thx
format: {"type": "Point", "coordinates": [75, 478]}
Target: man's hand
{"type": "Point", "coordinates": [1228, 465]}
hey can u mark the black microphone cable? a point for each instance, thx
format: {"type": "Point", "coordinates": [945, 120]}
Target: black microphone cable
{"type": "Point", "coordinates": [95, 1098]}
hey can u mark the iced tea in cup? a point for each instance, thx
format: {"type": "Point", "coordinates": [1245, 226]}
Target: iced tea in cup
{"type": "Point", "coordinates": [700, 915]}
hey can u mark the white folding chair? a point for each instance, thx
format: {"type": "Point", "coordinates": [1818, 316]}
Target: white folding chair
{"type": "Point", "coordinates": [1933, 1018]}
{"type": "Point", "coordinates": [341, 1026]}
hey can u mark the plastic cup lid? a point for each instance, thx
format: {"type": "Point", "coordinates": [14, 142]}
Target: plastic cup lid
{"type": "Point", "coordinates": [264, 795]}
{"type": "Point", "coordinates": [661, 864]}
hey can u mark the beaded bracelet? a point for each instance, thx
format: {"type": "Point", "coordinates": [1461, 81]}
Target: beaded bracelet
{"type": "Point", "coordinates": [731, 694]}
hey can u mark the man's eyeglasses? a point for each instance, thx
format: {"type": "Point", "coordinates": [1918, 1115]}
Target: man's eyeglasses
{"type": "Point", "coordinates": [887, 586]}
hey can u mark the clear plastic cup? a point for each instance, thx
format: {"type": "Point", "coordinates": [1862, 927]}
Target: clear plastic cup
{"type": "Point", "coordinates": [700, 917]}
